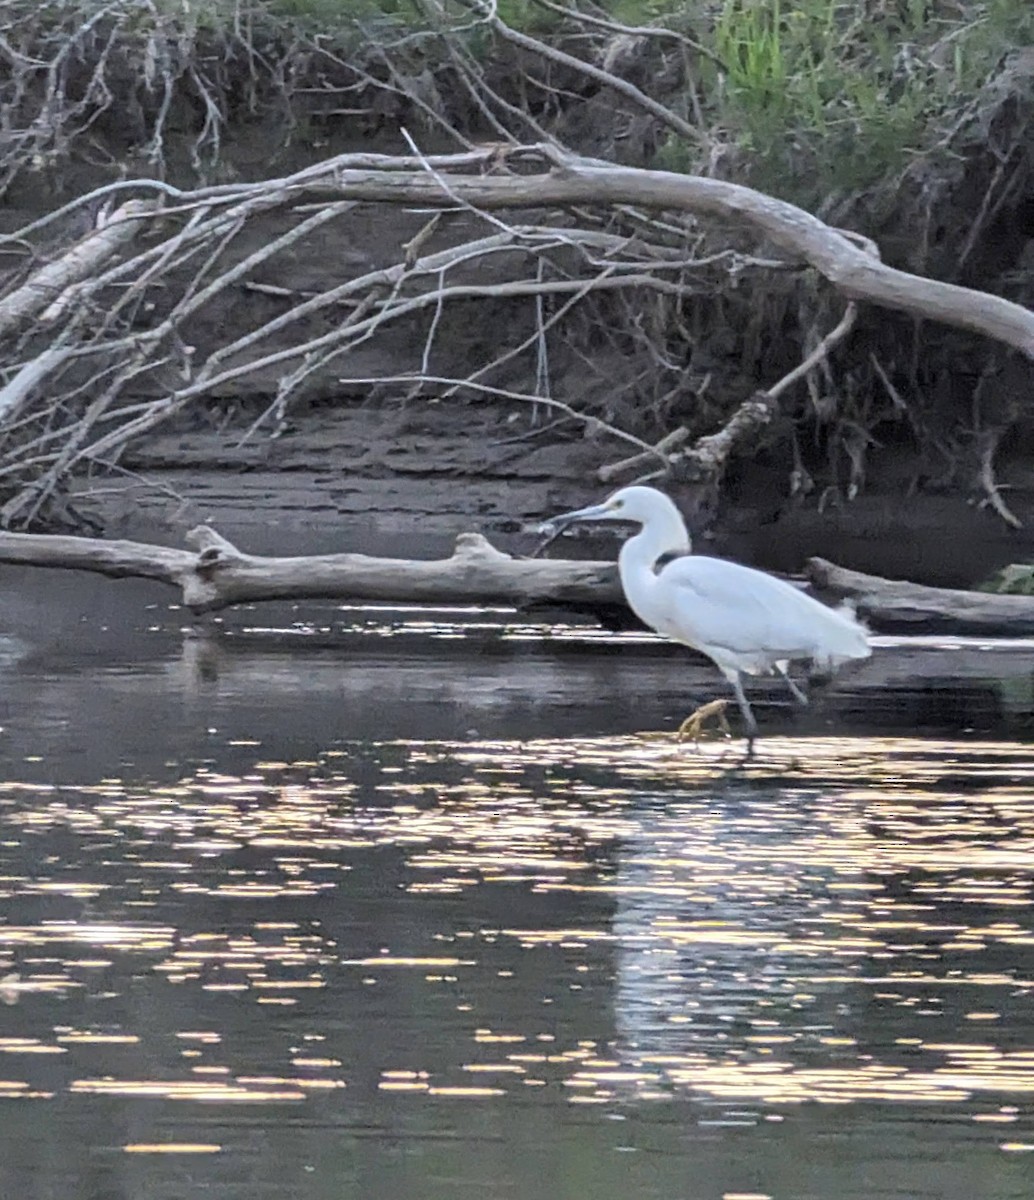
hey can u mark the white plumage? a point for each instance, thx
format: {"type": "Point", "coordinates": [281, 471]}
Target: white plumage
{"type": "Point", "coordinates": [745, 621]}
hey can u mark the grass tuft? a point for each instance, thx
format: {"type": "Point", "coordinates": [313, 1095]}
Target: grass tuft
{"type": "Point", "coordinates": [824, 96]}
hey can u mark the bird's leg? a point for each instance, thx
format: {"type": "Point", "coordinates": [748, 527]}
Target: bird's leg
{"type": "Point", "coordinates": [798, 695]}
{"type": "Point", "coordinates": [750, 724]}
{"type": "Point", "coordinates": [693, 725]}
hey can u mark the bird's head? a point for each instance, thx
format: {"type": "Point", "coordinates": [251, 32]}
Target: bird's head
{"type": "Point", "coordinates": [634, 504]}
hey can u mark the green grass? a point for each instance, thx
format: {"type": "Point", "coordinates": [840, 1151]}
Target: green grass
{"type": "Point", "coordinates": [815, 90]}
{"type": "Point", "coordinates": [815, 97]}
{"type": "Point", "coordinates": [1017, 579]}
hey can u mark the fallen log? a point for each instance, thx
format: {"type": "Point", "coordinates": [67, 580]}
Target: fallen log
{"type": "Point", "coordinates": [897, 606]}
{"type": "Point", "coordinates": [214, 575]}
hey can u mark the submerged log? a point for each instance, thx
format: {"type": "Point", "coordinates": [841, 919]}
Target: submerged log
{"type": "Point", "coordinates": [214, 574]}
{"type": "Point", "coordinates": [897, 606]}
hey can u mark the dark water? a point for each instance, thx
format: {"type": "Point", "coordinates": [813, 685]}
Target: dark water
{"type": "Point", "coordinates": [369, 907]}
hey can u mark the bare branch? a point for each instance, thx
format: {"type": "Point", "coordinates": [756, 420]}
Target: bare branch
{"type": "Point", "coordinates": [989, 442]}
{"type": "Point", "coordinates": [653, 456]}
{"type": "Point", "coordinates": [43, 290]}
{"type": "Point", "coordinates": [710, 454]}
{"type": "Point", "coordinates": [819, 354]}
{"type": "Point", "coordinates": [639, 98]}
{"type": "Point", "coordinates": [852, 270]}
{"type": "Point", "coordinates": [342, 340]}
{"type": "Point", "coordinates": [456, 385]}
{"type": "Point", "coordinates": [651, 31]}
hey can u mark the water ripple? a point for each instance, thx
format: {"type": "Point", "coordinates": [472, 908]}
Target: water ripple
{"type": "Point", "coordinates": [555, 922]}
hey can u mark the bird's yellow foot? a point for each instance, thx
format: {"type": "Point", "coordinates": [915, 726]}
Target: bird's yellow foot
{"type": "Point", "coordinates": [693, 725]}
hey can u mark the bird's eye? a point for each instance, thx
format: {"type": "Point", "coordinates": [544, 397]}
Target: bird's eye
{"type": "Point", "coordinates": [619, 504]}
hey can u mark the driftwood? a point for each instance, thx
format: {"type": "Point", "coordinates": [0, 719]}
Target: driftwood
{"type": "Point", "coordinates": [897, 606]}
{"type": "Point", "coordinates": [214, 574]}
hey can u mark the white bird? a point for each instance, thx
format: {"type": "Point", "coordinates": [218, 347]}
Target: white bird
{"type": "Point", "coordinates": [746, 622]}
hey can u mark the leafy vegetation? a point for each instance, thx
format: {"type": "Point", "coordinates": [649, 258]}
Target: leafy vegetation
{"type": "Point", "coordinates": [1017, 579]}
{"type": "Point", "coordinates": [812, 97]}
{"type": "Point", "coordinates": [842, 94]}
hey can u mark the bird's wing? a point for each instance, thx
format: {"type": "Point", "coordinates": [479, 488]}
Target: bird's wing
{"type": "Point", "coordinates": [746, 612]}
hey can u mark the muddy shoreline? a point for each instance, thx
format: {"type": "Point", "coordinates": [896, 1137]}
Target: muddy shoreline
{"type": "Point", "coordinates": [405, 480]}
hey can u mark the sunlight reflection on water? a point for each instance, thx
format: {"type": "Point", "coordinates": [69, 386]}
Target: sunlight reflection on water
{"type": "Point", "coordinates": [278, 921]}
{"type": "Point", "coordinates": [841, 920]}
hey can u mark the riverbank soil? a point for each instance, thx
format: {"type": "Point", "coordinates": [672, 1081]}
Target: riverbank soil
{"type": "Point", "coordinates": [907, 451]}
{"type": "Point", "coordinates": [405, 479]}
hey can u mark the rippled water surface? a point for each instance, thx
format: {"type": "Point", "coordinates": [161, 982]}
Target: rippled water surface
{"type": "Point", "coordinates": [328, 912]}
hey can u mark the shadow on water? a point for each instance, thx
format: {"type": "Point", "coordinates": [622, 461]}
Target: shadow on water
{"type": "Point", "coordinates": [381, 906]}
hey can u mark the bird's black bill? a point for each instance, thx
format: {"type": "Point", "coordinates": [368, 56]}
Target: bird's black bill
{"type": "Point", "coordinates": [555, 526]}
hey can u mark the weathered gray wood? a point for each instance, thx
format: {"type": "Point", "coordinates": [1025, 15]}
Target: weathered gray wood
{"type": "Point", "coordinates": [476, 573]}
{"type": "Point", "coordinates": [118, 559]}
{"type": "Point", "coordinates": [43, 290]}
{"type": "Point", "coordinates": [15, 394]}
{"type": "Point", "coordinates": [895, 605]}
{"type": "Point", "coordinates": [854, 271]}
{"type": "Point", "coordinates": [214, 574]}
{"type": "Point", "coordinates": [219, 575]}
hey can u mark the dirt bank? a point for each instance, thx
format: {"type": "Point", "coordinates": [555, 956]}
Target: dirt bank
{"type": "Point", "coordinates": [891, 457]}
{"type": "Point", "coordinates": [405, 479]}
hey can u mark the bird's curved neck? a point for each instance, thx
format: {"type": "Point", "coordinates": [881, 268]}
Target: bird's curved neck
{"type": "Point", "coordinates": [664, 533]}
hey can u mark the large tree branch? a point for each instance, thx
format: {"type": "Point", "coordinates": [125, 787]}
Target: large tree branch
{"type": "Point", "coordinates": [849, 267]}
{"type": "Point", "coordinates": [576, 181]}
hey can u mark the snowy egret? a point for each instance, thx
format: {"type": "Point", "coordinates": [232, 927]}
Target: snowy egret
{"type": "Point", "coordinates": [746, 622]}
